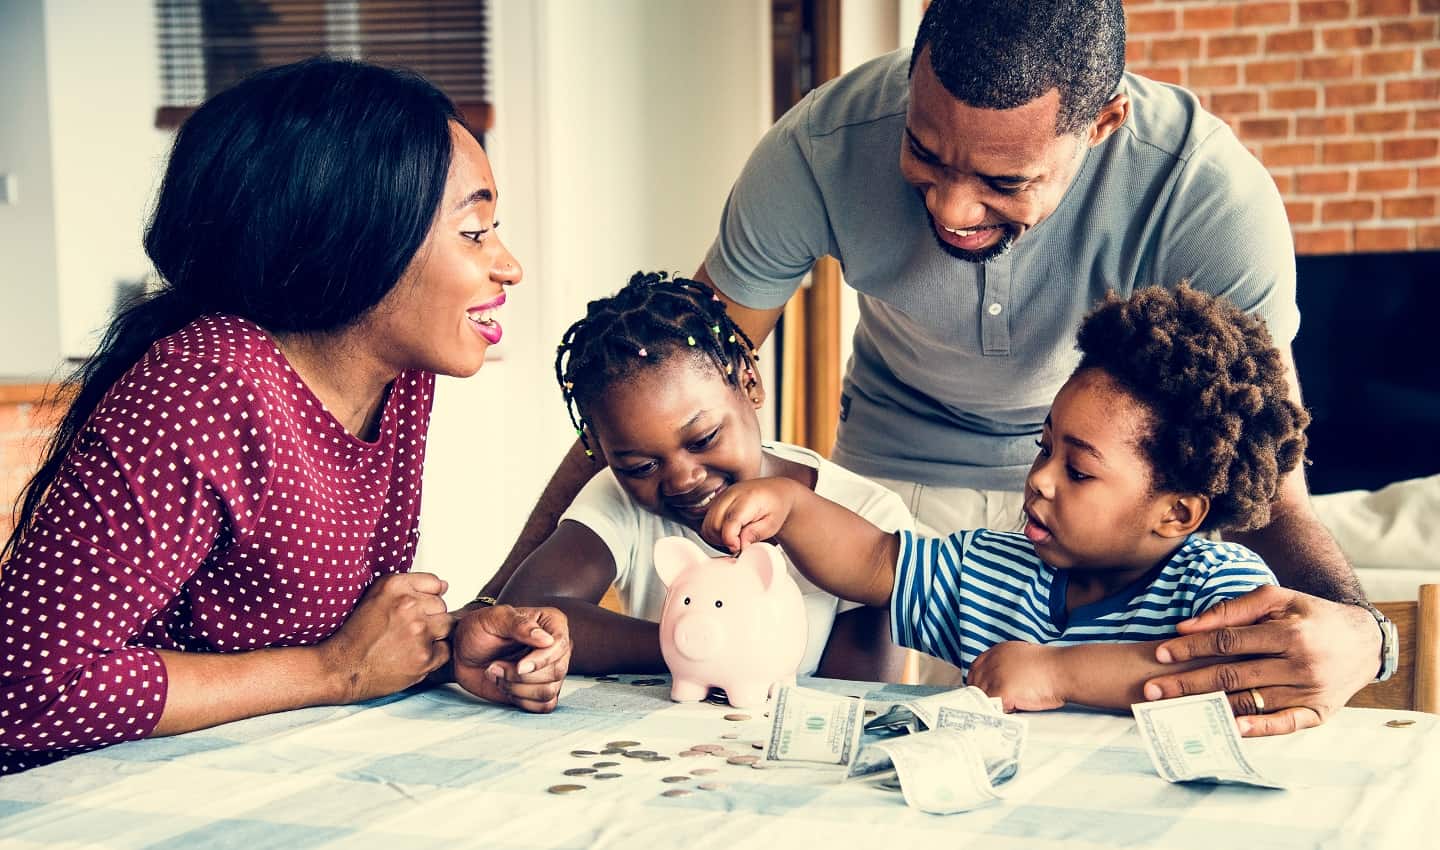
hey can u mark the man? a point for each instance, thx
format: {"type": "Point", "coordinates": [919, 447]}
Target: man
{"type": "Point", "coordinates": [982, 192]}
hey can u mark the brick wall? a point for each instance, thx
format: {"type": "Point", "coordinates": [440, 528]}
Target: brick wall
{"type": "Point", "coordinates": [1339, 98]}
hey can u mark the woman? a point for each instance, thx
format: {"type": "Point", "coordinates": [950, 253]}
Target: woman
{"type": "Point", "coordinates": [226, 518]}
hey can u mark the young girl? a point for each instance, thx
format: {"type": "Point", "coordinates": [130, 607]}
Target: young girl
{"type": "Point", "coordinates": [662, 385]}
{"type": "Point", "coordinates": [1176, 421]}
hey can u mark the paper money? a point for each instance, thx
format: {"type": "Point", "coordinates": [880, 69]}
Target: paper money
{"type": "Point", "coordinates": [1194, 739]}
{"type": "Point", "coordinates": [940, 771]}
{"type": "Point", "coordinates": [921, 713]}
{"type": "Point", "coordinates": [1000, 738]}
{"type": "Point", "coordinates": [814, 726]}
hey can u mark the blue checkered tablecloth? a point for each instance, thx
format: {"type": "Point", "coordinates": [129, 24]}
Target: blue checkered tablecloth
{"type": "Point", "coordinates": [436, 768]}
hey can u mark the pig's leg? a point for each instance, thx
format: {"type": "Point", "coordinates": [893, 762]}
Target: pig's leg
{"type": "Point", "coordinates": [685, 690]}
{"type": "Point", "coordinates": [746, 695]}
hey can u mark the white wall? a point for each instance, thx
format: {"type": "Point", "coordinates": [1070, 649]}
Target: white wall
{"type": "Point", "coordinates": [620, 127]}
{"type": "Point", "coordinates": [29, 322]}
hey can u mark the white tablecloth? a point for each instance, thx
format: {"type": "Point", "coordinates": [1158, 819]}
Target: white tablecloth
{"type": "Point", "coordinates": [439, 769]}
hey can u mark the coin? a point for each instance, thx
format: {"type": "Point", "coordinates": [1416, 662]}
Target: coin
{"type": "Point", "coordinates": [565, 789]}
{"type": "Point", "coordinates": [759, 745]}
{"type": "Point", "coordinates": [1399, 724]}
{"type": "Point", "coordinates": [579, 771]}
{"type": "Point", "coordinates": [611, 751]}
{"type": "Point", "coordinates": [606, 776]}
{"type": "Point", "coordinates": [674, 779]}
{"type": "Point", "coordinates": [742, 759]}
{"type": "Point", "coordinates": [730, 736]}
{"type": "Point", "coordinates": [657, 758]}
{"type": "Point", "coordinates": [870, 712]}
{"type": "Point", "coordinates": [687, 754]}
{"type": "Point", "coordinates": [676, 792]}
{"type": "Point", "coordinates": [761, 765]}
{"type": "Point", "coordinates": [710, 786]}
{"type": "Point", "coordinates": [702, 771]}
{"type": "Point", "coordinates": [583, 754]}
{"type": "Point", "coordinates": [607, 678]}
{"type": "Point", "coordinates": [706, 748]}
{"type": "Point", "coordinates": [624, 745]}
{"type": "Point", "coordinates": [606, 763]}
{"type": "Point", "coordinates": [737, 717]}
{"type": "Point", "coordinates": [636, 754]}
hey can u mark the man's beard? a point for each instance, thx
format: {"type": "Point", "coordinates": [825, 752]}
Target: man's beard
{"type": "Point", "coordinates": [984, 255]}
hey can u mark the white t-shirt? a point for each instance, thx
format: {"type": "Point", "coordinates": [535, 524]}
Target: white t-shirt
{"type": "Point", "coordinates": [630, 532]}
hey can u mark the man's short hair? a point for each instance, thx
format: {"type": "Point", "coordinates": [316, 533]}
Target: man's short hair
{"type": "Point", "coordinates": [1000, 54]}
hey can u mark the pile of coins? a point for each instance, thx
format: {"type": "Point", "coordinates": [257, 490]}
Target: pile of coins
{"type": "Point", "coordinates": [605, 769]}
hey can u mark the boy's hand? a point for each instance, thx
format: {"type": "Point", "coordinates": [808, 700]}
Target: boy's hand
{"type": "Point", "coordinates": [748, 512]}
{"type": "Point", "coordinates": [1025, 676]}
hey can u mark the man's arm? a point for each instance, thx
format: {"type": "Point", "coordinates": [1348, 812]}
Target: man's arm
{"type": "Point", "coordinates": [1294, 544]}
{"type": "Point", "coordinates": [757, 324]}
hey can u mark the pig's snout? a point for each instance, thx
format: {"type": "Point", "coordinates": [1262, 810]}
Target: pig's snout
{"type": "Point", "coordinates": [699, 638]}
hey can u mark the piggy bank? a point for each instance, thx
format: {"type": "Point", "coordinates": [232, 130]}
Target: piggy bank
{"type": "Point", "coordinates": [732, 623]}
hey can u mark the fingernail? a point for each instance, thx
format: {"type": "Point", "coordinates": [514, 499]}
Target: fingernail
{"type": "Point", "coordinates": [1152, 691]}
{"type": "Point", "coordinates": [526, 667]}
{"type": "Point", "coordinates": [494, 671]}
{"type": "Point", "coordinates": [1243, 724]}
{"type": "Point", "coordinates": [1163, 655]}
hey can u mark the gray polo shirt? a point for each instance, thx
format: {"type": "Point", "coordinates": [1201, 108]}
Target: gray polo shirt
{"type": "Point", "coordinates": [955, 364]}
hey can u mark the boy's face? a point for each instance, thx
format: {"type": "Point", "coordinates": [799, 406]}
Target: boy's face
{"type": "Point", "coordinates": [677, 435]}
{"type": "Point", "coordinates": [1088, 497]}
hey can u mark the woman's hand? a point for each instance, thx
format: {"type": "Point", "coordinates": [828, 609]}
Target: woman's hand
{"type": "Point", "coordinates": [513, 655]}
{"type": "Point", "coordinates": [1313, 655]}
{"type": "Point", "coordinates": [394, 638]}
{"type": "Point", "coordinates": [1025, 676]}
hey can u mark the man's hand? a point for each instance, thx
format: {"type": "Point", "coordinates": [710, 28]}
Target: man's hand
{"type": "Point", "coordinates": [1025, 676]}
{"type": "Point", "coordinates": [513, 655]}
{"type": "Point", "coordinates": [1309, 656]}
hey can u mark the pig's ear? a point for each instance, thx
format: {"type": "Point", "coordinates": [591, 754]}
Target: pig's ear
{"type": "Point", "coordinates": [673, 555]}
{"type": "Point", "coordinates": [765, 560]}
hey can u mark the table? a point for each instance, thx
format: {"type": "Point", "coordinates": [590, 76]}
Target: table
{"type": "Point", "coordinates": [438, 769]}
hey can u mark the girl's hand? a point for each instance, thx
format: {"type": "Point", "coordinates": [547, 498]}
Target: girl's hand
{"type": "Point", "coordinates": [1025, 676]}
{"type": "Point", "coordinates": [394, 638]}
{"type": "Point", "coordinates": [749, 512]}
{"type": "Point", "coordinates": [513, 655]}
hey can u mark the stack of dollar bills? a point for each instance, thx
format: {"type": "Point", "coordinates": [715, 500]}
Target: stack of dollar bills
{"type": "Point", "coordinates": [948, 752]}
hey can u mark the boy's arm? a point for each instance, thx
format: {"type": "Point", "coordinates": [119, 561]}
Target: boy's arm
{"type": "Point", "coordinates": [836, 548]}
{"type": "Point", "coordinates": [1031, 677]}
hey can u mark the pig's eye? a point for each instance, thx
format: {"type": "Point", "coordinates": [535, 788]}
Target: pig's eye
{"type": "Point", "coordinates": [719, 604]}
{"type": "Point", "coordinates": [687, 600]}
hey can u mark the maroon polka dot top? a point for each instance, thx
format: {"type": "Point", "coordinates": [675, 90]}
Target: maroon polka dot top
{"type": "Point", "coordinates": [211, 504]}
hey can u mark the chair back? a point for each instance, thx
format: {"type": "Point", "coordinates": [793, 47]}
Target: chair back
{"type": "Point", "coordinates": [1416, 683]}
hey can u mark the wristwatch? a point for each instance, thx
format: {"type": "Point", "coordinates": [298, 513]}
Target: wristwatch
{"type": "Point", "coordinates": [1389, 643]}
{"type": "Point", "coordinates": [490, 602]}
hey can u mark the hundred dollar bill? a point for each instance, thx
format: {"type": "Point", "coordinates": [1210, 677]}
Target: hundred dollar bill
{"type": "Point", "coordinates": [921, 713]}
{"type": "Point", "coordinates": [814, 726]}
{"type": "Point", "coordinates": [1000, 738]}
{"type": "Point", "coordinates": [1194, 739]}
{"type": "Point", "coordinates": [940, 771]}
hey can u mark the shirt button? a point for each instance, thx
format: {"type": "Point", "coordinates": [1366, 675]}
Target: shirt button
{"type": "Point", "coordinates": [995, 309]}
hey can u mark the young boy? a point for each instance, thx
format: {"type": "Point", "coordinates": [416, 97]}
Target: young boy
{"type": "Point", "coordinates": [1176, 421]}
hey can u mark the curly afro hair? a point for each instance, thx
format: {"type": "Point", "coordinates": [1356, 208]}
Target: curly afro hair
{"type": "Point", "coordinates": [1223, 424]}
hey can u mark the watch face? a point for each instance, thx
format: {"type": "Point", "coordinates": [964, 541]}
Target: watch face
{"type": "Point", "coordinates": [1389, 649]}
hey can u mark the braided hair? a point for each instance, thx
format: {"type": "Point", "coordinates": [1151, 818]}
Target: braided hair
{"type": "Point", "coordinates": [654, 318]}
{"type": "Point", "coordinates": [1223, 424]}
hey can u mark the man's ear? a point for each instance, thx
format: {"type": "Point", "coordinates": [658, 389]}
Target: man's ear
{"type": "Point", "coordinates": [1183, 515]}
{"type": "Point", "coordinates": [1112, 115]}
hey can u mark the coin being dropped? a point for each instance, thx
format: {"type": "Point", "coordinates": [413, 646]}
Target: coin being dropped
{"type": "Point", "coordinates": [702, 771]}
{"type": "Point", "coordinates": [565, 789]}
{"type": "Point", "coordinates": [606, 763]}
{"type": "Point", "coordinates": [579, 771]}
{"type": "Point", "coordinates": [742, 759]}
{"type": "Point", "coordinates": [606, 776]}
{"type": "Point", "coordinates": [737, 717]}
{"type": "Point", "coordinates": [674, 779]}
{"type": "Point", "coordinates": [1399, 724]}
{"type": "Point", "coordinates": [676, 792]}
{"type": "Point", "coordinates": [583, 754]}
{"type": "Point", "coordinates": [624, 745]}
{"type": "Point", "coordinates": [711, 786]}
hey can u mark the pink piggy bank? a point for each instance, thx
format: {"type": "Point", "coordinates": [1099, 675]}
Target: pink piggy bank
{"type": "Point", "coordinates": [732, 623]}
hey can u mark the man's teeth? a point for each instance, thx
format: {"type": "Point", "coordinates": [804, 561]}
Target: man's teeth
{"type": "Point", "coordinates": [965, 232]}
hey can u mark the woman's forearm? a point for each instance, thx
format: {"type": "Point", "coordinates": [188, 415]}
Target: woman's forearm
{"type": "Point", "coordinates": [209, 688]}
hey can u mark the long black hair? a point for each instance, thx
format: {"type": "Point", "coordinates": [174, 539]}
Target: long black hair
{"type": "Point", "coordinates": [295, 199]}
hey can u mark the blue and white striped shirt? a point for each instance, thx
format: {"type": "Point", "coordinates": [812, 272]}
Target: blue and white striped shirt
{"type": "Point", "coordinates": [957, 596]}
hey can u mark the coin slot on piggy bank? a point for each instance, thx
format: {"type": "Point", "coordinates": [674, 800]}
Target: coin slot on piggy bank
{"type": "Point", "coordinates": [731, 623]}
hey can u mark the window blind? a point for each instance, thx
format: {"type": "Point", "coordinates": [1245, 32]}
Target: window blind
{"type": "Point", "coordinates": [208, 45]}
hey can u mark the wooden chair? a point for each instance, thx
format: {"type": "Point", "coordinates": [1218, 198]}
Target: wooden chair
{"type": "Point", "coordinates": [1416, 683]}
